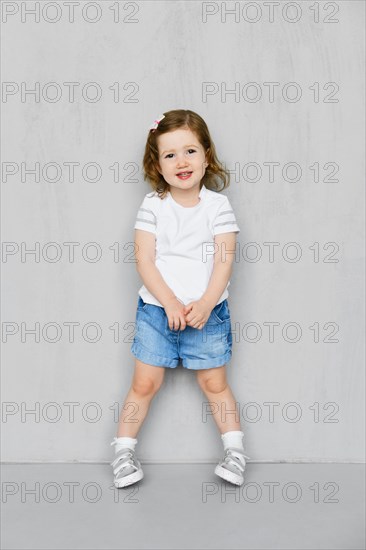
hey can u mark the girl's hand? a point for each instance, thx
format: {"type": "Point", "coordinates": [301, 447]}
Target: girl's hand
{"type": "Point", "coordinates": [197, 313]}
{"type": "Point", "coordinates": [174, 310]}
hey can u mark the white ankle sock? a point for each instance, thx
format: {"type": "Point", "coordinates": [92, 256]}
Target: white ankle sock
{"type": "Point", "coordinates": [123, 442]}
{"type": "Point", "coordinates": [233, 439]}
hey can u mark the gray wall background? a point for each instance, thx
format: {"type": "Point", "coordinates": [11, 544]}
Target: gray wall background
{"type": "Point", "coordinates": [169, 52]}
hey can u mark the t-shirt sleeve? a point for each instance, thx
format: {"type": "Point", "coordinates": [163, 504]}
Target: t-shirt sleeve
{"type": "Point", "coordinates": [146, 215]}
{"type": "Point", "coordinates": [225, 221]}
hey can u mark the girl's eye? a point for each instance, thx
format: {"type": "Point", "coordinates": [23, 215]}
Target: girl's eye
{"type": "Point", "coordinates": [169, 155]}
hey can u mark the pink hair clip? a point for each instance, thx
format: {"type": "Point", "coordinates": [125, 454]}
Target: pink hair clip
{"type": "Point", "coordinates": [156, 122]}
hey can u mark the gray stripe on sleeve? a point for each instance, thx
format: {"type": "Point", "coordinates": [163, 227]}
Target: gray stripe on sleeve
{"type": "Point", "coordinates": [225, 223]}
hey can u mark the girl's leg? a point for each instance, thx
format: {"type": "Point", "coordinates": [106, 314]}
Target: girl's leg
{"type": "Point", "coordinates": [214, 385]}
{"type": "Point", "coordinates": [146, 382]}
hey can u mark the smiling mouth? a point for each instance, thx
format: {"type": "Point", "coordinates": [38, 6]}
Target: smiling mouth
{"type": "Point", "coordinates": [184, 174]}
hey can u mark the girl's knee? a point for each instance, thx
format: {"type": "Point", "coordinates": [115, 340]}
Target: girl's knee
{"type": "Point", "coordinates": [144, 386]}
{"type": "Point", "coordinates": [213, 381]}
{"type": "Point", "coordinates": [147, 379]}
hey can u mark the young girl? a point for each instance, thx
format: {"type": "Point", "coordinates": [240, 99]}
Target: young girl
{"type": "Point", "coordinates": [185, 236]}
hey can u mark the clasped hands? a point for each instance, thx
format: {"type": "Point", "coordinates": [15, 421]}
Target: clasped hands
{"type": "Point", "coordinates": [195, 314]}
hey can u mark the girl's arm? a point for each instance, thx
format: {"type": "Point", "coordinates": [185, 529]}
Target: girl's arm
{"type": "Point", "coordinates": [225, 247]}
{"type": "Point", "coordinates": [149, 273]}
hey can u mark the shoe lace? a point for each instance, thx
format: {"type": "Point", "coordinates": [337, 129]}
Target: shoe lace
{"type": "Point", "coordinates": [126, 457]}
{"type": "Point", "coordinates": [235, 457]}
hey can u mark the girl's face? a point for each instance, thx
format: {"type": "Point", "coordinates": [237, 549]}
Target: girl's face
{"type": "Point", "coordinates": [182, 159]}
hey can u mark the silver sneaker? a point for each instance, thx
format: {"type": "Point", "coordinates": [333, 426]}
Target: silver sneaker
{"type": "Point", "coordinates": [126, 468]}
{"type": "Point", "coordinates": [232, 466]}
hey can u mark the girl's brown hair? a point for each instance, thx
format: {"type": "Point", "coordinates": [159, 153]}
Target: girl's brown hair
{"type": "Point", "coordinates": [181, 118]}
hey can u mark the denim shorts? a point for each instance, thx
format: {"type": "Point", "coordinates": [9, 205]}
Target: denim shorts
{"type": "Point", "coordinates": [156, 344]}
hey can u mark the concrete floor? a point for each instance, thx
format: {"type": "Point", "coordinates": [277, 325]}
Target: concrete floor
{"type": "Point", "coordinates": [183, 506]}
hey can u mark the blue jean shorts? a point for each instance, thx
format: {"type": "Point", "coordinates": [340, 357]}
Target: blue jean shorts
{"type": "Point", "coordinates": [156, 344]}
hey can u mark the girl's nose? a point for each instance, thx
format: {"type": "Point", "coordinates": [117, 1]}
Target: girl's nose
{"type": "Point", "coordinates": [182, 163]}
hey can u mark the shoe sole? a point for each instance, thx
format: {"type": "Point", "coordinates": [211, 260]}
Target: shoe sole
{"type": "Point", "coordinates": [129, 480]}
{"type": "Point", "coordinates": [228, 476]}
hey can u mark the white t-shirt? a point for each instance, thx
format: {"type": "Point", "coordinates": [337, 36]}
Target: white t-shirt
{"type": "Point", "coordinates": [184, 245]}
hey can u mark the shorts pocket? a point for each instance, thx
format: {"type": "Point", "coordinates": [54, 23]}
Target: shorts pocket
{"type": "Point", "coordinates": [141, 305]}
{"type": "Point", "coordinates": [221, 312]}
